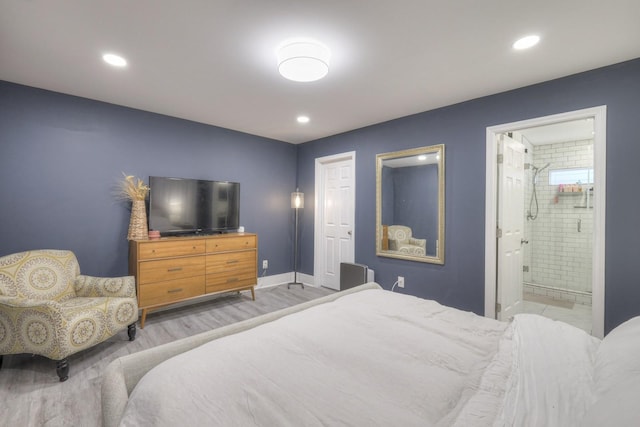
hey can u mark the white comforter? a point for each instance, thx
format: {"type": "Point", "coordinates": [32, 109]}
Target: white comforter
{"type": "Point", "coordinates": [375, 358]}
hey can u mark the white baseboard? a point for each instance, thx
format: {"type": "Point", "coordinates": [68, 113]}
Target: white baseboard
{"type": "Point", "coordinates": [283, 279]}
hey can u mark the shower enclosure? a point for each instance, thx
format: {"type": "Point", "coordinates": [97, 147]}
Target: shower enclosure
{"type": "Point", "coordinates": [558, 244]}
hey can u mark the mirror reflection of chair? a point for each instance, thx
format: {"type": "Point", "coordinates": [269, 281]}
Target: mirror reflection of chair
{"type": "Point", "coordinates": [410, 193]}
{"type": "Point", "coordinates": [400, 240]}
{"type": "Point", "coordinates": [48, 308]}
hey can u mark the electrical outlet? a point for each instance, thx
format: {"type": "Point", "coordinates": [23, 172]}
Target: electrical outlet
{"type": "Point", "coordinates": [401, 281]}
{"type": "Point", "coordinates": [265, 264]}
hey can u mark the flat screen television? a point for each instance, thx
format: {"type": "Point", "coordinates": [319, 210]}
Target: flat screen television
{"type": "Point", "coordinates": [179, 206]}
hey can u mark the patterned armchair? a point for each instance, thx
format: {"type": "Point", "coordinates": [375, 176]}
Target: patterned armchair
{"type": "Point", "coordinates": [400, 240]}
{"type": "Point", "coordinates": [48, 308]}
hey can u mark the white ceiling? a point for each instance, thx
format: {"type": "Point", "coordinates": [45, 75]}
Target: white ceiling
{"type": "Point", "coordinates": [214, 61]}
{"type": "Point", "coordinates": [575, 130]}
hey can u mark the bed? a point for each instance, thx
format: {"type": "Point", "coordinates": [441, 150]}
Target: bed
{"type": "Point", "coordinates": [370, 357]}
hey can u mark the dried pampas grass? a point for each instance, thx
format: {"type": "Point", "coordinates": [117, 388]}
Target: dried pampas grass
{"type": "Point", "coordinates": [132, 188]}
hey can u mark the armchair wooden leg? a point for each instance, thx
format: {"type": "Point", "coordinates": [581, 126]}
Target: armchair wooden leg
{"type": "Point", "coordinates": [132, 331]}
{"type": "Point", "coordinates": [62, 368]}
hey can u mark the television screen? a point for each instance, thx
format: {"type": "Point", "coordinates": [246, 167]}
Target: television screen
{"type": "Point", "coordinates": [183, 206]}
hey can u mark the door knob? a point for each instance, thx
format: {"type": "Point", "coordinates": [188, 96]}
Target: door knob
{"type": "Point", "coordinates": [523, 242]}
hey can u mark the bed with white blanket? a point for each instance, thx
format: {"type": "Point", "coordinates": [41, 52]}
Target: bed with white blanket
{"type": "Point", "coordinates": [369, 357]}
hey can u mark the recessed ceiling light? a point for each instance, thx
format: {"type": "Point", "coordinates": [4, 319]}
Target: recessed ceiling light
{"type": "Point", "coordinates": [115, 60]}
{"type": "Point", "coordinates": [303, 119]}
{"type": "Point", "coordinates": [303, 60]}
{"type": "Point", "coordinates": [526, 42]}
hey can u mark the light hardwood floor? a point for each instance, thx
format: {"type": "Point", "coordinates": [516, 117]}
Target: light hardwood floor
{"type": "Point", "coordinates": [31, 395]}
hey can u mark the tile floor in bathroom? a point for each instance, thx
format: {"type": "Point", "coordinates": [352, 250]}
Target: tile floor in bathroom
{"type": "Point", "coordinates": [579, 315]}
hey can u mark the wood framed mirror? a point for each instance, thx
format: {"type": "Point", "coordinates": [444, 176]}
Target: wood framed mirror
{"type": "Point", "coordinates": [410, 204]}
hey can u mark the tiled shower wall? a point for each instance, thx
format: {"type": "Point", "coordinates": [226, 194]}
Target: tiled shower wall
{"type": "Point", "coordinates": [559, 252]}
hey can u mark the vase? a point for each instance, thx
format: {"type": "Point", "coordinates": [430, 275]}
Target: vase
{"type": "Point", "coordinates": [138, 223]}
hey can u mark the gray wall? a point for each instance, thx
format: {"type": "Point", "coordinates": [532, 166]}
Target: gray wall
{"type": "Point", "coordinates": [462, 127]}
{"type": "Point", "coordinates": [61, 158]}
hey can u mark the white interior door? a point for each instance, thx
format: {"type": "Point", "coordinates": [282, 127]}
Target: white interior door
{"type": "Point", "coordinates": [335, 213]}
{"type": "Point", "coordinates": [510, 226]}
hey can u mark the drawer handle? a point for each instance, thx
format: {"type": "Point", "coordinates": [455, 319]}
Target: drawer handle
{"type": "Point", "coordinates": [234, 279]}
{"type": "Point", "coordinates": [174, 269]}
{"type": "Point", "coordinates": [174, 291]}
{"type": "Point", "coordinates": [233, 261]}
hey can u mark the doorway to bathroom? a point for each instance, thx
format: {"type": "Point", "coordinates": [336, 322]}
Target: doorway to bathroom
{"type": "Point", "coordinates": [557, 252]}
{"type": "Point", "coordinates": [545, 219]}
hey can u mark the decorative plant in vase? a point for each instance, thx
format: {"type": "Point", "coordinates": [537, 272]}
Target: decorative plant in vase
{"type": "Point", "coordinates": [135, 190]}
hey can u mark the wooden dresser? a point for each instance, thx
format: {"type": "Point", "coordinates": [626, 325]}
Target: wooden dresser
{"type": "Point", "coordinates": [174, 269]}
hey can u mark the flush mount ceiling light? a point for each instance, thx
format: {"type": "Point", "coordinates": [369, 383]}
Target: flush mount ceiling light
{"type": "Point", "coordinates": [115, 60]}
{"type": "Point", "coordinates": [303, 60]}
{"type": "Point", "coordinates": [526, 42]}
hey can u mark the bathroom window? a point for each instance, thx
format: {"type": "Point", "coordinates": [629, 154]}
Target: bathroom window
{"type": "Point", "coordinates": [571, 176]}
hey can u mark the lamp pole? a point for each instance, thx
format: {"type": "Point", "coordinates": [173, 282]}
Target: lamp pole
{"type": "Point", "coordinates": [297, 203]}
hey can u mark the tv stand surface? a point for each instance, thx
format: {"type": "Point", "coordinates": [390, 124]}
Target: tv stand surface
{"type": "Point", "coordinates": [174, 269]}
{"type": "Point", "coordinates": [196, 234]}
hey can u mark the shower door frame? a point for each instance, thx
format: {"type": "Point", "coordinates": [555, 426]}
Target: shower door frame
{"type": "Point", "coordinates": [599, 115]}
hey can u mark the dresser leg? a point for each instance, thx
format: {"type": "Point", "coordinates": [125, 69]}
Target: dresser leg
{"type": "Point", "coordinates": [143, 318]}
{"type": "Point", "coordinates": [253, 294]}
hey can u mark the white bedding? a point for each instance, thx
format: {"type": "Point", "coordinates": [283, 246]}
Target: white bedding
{"type": "Point", "coordinates": [551, 382]}
{"type": "Point", "coordinates": [375, 358]}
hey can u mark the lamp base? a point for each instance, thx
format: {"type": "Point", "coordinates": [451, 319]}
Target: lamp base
{"type": "Point", "coordinates": [294, 283]}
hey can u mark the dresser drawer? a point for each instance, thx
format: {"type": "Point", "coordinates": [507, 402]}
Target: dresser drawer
{"type": "Point", "coordinates": [234, 243]}
{"type": "Point", "coordinates": [163, 249]}
{"type": "Point", "coordinates": [169, 269]}
{"type": "Point", "coordinates": [221, 263]}
{"type": "Point", "coordinates": [169, 291]}
{"type": "Point", "coordinates": [232, 277]}
{"type": "Point", "coordinates": [227, 282]}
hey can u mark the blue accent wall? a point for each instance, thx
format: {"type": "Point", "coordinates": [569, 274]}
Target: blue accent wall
{"type": "Point", "coordinates": [62, 157]}
{"type": "Point", "coordinates": [410, 198]}
{"type": "Point", "coordinates": [462, 128]}
{"type": "Point", "coordinates": [416, 202]}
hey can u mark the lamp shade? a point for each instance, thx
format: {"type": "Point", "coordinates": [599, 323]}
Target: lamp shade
{"type": "Point", "coordinates": [297, 200]}
{"type": "Point", "coordinates": [303, 61]}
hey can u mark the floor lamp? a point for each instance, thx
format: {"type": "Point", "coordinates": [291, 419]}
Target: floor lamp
{"type": "Point", "coordinates": [297, 203]}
